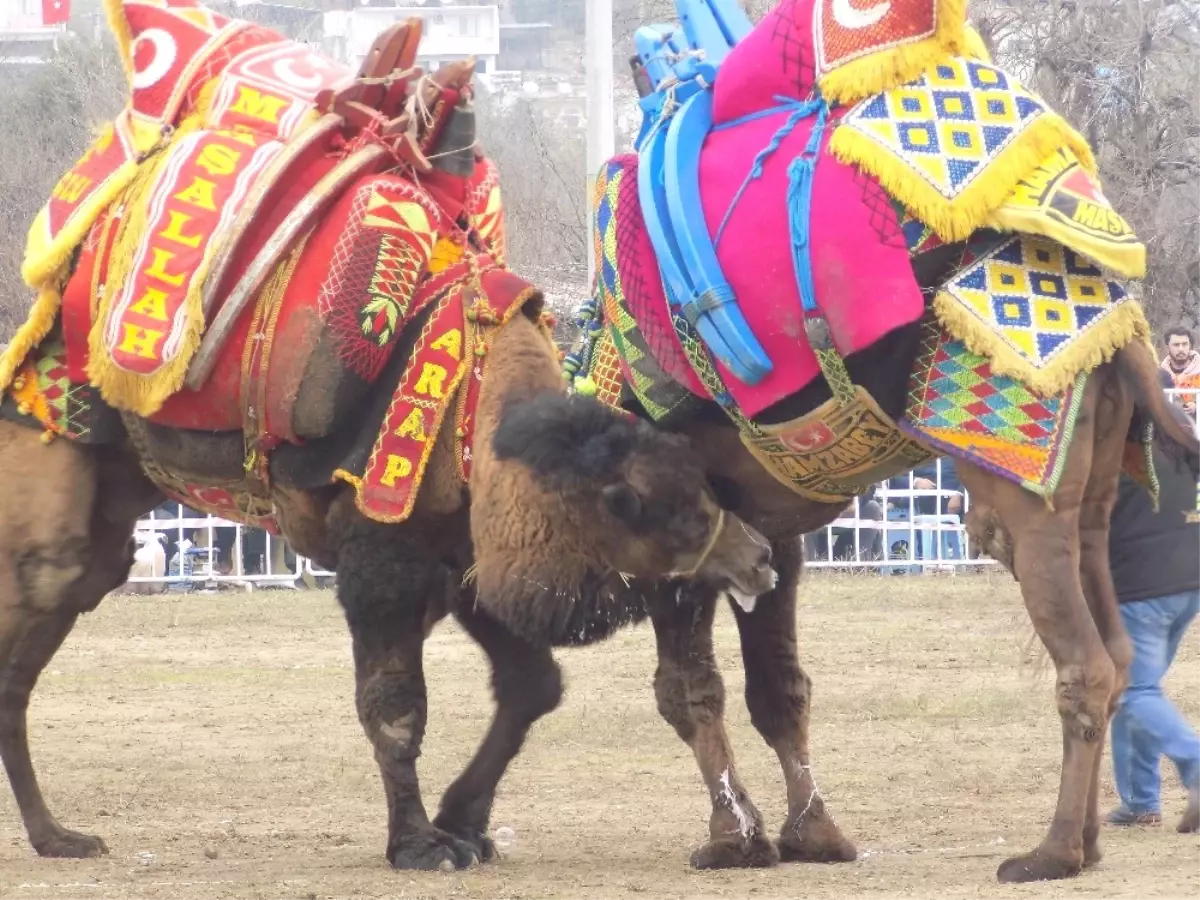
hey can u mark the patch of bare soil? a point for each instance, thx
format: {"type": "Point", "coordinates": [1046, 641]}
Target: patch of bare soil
{"type": "Point", "coordinates": [212, 741]}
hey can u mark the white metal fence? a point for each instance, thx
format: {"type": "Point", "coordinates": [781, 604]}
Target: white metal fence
{"type": "Point", "coordinates": [206, 551]}
{"type": "Point", "coordinates": [911, 524]}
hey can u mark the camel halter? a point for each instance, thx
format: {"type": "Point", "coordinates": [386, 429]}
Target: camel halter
{"type": "Point", "coordinates": [708, 547]}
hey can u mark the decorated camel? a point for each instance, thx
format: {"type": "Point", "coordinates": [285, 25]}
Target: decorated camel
{"type": "Point", "coordinates": [275, 291]}
{"type": "Point", "coordinates": [847, 242]}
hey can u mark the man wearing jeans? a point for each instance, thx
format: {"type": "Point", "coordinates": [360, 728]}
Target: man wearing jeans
{"type": "Point", "coordinates": [1155, 561]}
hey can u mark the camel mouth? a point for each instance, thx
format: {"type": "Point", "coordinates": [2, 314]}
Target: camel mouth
{"type": "Point", "coordinates": [746, 591]}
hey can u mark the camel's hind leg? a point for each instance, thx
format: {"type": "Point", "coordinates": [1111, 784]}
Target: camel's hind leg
{"type": "Point", "coordinates": [1045, 558]}
{"type": "Point", "coordinates": [64, 543]}
{"type": "Point", "coordinates": [778, 694]}
{"type": "Point", "coordinates": [1114, 410]}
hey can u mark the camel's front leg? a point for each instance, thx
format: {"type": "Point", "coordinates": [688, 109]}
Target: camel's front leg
{"type": "Point", "coordinates": [527, 685]}
{"type": "Point", "coordinates": [1046, 560]}
{"type": "Point", "coordinates": [387, 577]}
{"type": "Point", "coordinates": [691, 697]}
{"type": "Point", "coordinates": [778, 695]}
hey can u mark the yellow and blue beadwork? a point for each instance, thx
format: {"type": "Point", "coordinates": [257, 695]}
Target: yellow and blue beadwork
{"type": "Point", "coordinates": [952, 144]}
{"type": "Point", "coordinates": [1041, 312]}
{"type": "Point", "coordinates": [947, 125]}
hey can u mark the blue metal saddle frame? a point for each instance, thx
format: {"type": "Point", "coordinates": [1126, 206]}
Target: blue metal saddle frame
{"type": "Point", "coordinates": [675, 74]}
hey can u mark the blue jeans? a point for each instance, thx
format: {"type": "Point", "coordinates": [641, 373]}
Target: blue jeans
{"type": "Point", "coordinates": [1147, 725]}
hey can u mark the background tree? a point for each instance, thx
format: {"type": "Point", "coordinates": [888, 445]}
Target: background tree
{"type": "Point", "coordinates": [50, 115]}
{"type": "Point", "coordinates": [1126, 73]}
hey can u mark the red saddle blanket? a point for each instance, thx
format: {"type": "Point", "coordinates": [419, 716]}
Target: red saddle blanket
{"type": "Point", "coordinates": [863, 280]}
{"type": "Point", "coordinates": [325, 323]}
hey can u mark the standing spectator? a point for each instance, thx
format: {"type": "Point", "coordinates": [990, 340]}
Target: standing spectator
{"type": "Point", "coordinates": [1181, 358]}
{"type": "Point", "coordinates": [1182, 363]}
{"type": "Point", "coordinates": [1155, 561]}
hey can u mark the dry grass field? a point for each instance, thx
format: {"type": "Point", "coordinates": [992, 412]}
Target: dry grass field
{"type": "Point", "coordinates": [212, 741]}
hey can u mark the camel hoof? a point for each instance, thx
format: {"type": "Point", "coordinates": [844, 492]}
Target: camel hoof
{"type": "Point", "coordinates": [815, 841]}
{"type": "Point", "coordinates": [1038, 866]}
{"type": "Point", "coordinates": [729, 853]}
{"type": "Point", "coordinates": [481, 845]}
{"type": "Point", "coordinates": [71, 845]}
{"type": "Point", "coordinates": [1092, 853]}
{"type": "Point", "coordinates": [431, 850]}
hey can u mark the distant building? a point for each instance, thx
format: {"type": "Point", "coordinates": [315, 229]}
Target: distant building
{"type": "Point", "coordinates": [25, 38]}
{"type": "Point", "coordinates": [450, 33]}
{"type": "Point", "coordinates": [523, 45]}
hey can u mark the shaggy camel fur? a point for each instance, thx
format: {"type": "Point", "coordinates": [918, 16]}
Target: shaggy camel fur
{"type": "Point", "coordinates": [567, 499]}
{"type": "Point", "coordinates": [1058, 554]}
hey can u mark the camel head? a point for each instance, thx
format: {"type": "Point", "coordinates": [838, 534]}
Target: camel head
{"type": "Point", "coordinates": [579, 506]}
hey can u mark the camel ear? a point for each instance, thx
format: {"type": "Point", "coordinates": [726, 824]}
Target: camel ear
{"type": "Point", "coordinates": [623, 502]}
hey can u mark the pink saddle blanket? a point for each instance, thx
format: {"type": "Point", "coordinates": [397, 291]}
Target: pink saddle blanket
{"type": "Point", "coordinates": [862, 276]}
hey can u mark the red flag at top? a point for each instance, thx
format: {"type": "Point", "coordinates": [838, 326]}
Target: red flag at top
{"type": "Point", "coordinates": [55, 12]}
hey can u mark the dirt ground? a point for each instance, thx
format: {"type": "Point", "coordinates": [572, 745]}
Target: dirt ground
{"type": "Point", "coordinates": [212, 741]}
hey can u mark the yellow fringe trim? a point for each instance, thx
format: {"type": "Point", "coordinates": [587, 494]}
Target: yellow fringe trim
{"type": "Point", "coordinates": [119, 387]}
{"type": "Point", "coordinates": [114, 12]}
{"type": "Point", "coordinates": [1093, 347]}
{"type": "Point", "coordinates": [956, 219]}
{"type": "Point", "coordinates": [973, 45]}
{"type": "Point", "coordinates": [29, 335]}
{"type": "Point", "coordinates": [886, 69]}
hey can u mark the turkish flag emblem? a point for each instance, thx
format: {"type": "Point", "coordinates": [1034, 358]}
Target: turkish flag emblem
{"type": "Point", "coordinates": [808, 438]}
{"type": "Point", "coordinates": [55, 12]}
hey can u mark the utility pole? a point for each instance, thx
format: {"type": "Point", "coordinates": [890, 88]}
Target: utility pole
{"type": "Point", "coordinates": [601, 139]}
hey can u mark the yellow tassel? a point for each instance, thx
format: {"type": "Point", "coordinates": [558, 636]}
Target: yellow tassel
{"type": "Point", "coordinates": [1094, 346]}
{"type": "Point", "coordinates": [114, 12]}
{"type": "Point", "coordinates": [204, 99]}
{"type": "Point", "coordinates": [955, 220]}
{"type": "Point", "coordinates": [123, 389]}
{"type": "Point", "coordinates": [973, 45]}
{"type": "Point", "coordinates": [886, 69]}
{"type": "Point", "coordinates": [29, 335]}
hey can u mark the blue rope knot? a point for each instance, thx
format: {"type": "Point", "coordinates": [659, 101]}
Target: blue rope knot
{"type": "Point", "coordinates": [801, 172]}
{"type": "Point", "coordinates": [800, 110]}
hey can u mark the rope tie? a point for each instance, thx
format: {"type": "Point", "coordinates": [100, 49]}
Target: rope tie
{"type": "Point", "coordinates": [711, 544]}
{"type": "Point", "coordinates": [801, 172]}
{"type": "Point", "coordinates": [800, 110]}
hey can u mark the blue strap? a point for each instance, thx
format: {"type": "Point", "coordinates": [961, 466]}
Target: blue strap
{"type": "Point", "coordinates": [677, 280]}
{"type": "Point", "coordinates": [712, 308]}
{"type": "Point", "coordinates": [653, 200]}
{"type": "Point", "coordinates": [799, 200]}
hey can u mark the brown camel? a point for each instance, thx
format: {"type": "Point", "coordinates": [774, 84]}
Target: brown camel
{"type": "Point", "coordinates": [779, 226]}
{"type": "Point", "coordinates": [1058, 554]}
{"type": "Point", "coordinates": [566, 498]}
{"type": "Point", "coordinates": [583, 500]}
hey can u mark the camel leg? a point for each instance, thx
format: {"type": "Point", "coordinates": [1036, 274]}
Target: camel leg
{"type": "Point", "coordinates": [778, 695]}
{"type": "Point", "coordinates": [1046, 562]}
{"type": "Point", "coordinates": [1114, 409]}
{"type": "Point", "coordinates": [388, 576]}
{"type": "Point", "coordinates": [691, 697]}
{"type": "Point", "coordinates": [65, 542]}
{"type": "Point", "coordinates": [527, 684]}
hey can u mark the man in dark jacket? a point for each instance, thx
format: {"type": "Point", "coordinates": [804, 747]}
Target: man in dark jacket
{"type": "Point", "coordinates": [1155, 561]}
